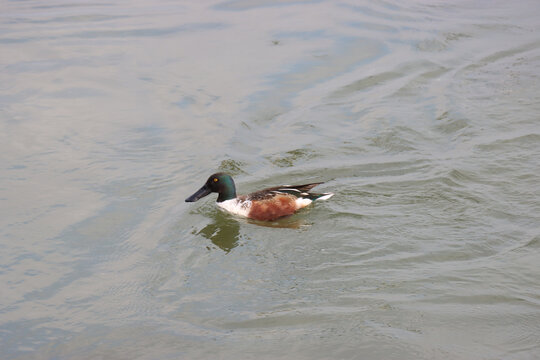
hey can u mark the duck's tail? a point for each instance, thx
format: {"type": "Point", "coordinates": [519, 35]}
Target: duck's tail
{"type": "Point", "coordinates": [323, 196]}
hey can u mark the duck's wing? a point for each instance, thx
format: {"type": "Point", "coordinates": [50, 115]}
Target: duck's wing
{"type": "Point", "coordinates": [295, 190]}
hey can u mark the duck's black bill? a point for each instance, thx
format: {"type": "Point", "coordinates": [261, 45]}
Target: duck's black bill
{"type": "Point", "coordinates": [202, 192]}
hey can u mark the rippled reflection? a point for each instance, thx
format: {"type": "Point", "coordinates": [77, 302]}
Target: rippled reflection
{"type": "Point", "coordinates": [224, 232]}
{"type": "Point", "coordinates": [290, 222]}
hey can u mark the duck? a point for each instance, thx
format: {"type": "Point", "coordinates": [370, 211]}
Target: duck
{"type": "Point", "coordinates": [264, 205]}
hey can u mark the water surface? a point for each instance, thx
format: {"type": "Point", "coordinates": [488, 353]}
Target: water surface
{"type": "Point", "coordinates": [422, 117]}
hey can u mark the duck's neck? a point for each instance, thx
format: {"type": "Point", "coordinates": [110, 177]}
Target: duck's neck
{"type": "Point", "coordinates": [227, 193]}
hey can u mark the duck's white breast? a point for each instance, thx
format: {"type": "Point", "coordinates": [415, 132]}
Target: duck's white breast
{"type": "Point", "coordinates": [236, 206]}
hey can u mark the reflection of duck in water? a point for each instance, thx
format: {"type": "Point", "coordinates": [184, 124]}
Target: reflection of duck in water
{"type": "Point", "coordinates": [222, 233]}
{"type": "Point", "coordinates": [267, 204]}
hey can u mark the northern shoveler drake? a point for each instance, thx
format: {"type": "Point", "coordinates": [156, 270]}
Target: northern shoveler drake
{"type": "Point", "coordinates": [268, 204]}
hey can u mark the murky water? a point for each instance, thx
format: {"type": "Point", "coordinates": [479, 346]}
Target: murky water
{"type": "Point", "coordinates": [423, 117]}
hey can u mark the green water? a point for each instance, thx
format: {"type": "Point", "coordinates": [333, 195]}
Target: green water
{"type": "Point", "coordinates": [422, 117]}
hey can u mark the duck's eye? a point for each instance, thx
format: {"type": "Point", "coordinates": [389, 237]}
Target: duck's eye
{"type": "Point", "coordinates": [216, 179]}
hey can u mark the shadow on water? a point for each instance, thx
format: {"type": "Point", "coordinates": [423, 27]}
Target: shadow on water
{"type": "Point", "coordinates": [288, 222]}
{"type": "Point", "coordinates": [224, 229]}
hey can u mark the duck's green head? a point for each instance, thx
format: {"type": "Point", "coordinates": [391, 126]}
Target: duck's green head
{"type": "Point", "coordinates": [220, 183]}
